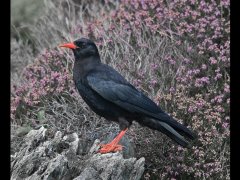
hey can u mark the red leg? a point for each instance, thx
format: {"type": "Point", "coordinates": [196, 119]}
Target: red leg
{"type": "Point", "coordinates": [113, 146]}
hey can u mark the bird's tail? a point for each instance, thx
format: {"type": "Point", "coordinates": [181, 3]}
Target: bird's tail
{"type": "Point", "coordinates": [175, 132]}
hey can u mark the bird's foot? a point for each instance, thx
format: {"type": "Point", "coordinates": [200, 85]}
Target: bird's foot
{"type": "Point", "coordinates": [111, 147]}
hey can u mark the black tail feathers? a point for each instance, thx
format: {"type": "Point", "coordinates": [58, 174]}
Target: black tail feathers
{"type": "Point", "coordinates": [174, 130]}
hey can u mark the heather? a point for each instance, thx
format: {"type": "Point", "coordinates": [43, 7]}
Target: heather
{"type": "Point", "coordinates": [177, 52]}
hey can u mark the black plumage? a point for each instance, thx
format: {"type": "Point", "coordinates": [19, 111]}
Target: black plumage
{"type": "Point", "coordinates": [110, 95]}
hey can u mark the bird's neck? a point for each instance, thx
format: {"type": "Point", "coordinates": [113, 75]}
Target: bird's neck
{"type": "Point", "coordinates": [83, 66]}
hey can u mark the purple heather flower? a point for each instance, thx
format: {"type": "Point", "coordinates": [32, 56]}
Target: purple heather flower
{"type": "Point", "coordinates": [172, 89]}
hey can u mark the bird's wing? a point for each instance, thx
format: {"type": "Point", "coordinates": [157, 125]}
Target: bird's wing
{"type": "Point", "coordinates": [122, 94]}
{"type": "Point", "coordinates": [117, 90]}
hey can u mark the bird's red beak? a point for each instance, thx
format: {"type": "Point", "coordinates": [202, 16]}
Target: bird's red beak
{"type": "Point", "coordinates": [68, 45]}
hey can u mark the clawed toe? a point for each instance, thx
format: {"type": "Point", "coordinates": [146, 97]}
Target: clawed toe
{"type": "Point", "coordinates": [107, 148]}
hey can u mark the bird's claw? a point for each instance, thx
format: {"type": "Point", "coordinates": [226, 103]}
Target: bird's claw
{"type": "Point", "coordinates": [107, 148]}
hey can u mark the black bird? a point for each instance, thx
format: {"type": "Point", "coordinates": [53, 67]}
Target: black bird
{"type": "Point", "coordinates": [110, 95]}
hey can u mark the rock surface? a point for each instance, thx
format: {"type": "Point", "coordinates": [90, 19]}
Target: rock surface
{"type": "Point", "coordinates": [69, 157]}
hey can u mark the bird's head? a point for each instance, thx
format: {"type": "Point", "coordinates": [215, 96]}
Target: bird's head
{"type": "Point", "coordinates": [82, 48]}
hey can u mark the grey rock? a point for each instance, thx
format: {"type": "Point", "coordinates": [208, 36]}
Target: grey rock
{"type": "Point", "coordinates": [88, 173]}
{"type": "Point", "coordinates": [67, 157]}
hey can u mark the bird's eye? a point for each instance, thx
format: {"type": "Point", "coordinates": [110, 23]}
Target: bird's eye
{"type": "Point", "coordinates": [82, 45]}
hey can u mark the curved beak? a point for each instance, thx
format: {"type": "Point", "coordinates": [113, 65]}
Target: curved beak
{"type": "Point", "coordinates": [68, 45]}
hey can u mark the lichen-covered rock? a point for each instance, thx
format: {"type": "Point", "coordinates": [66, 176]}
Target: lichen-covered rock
{"type": "Point", "coordinates": [65, 157]}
